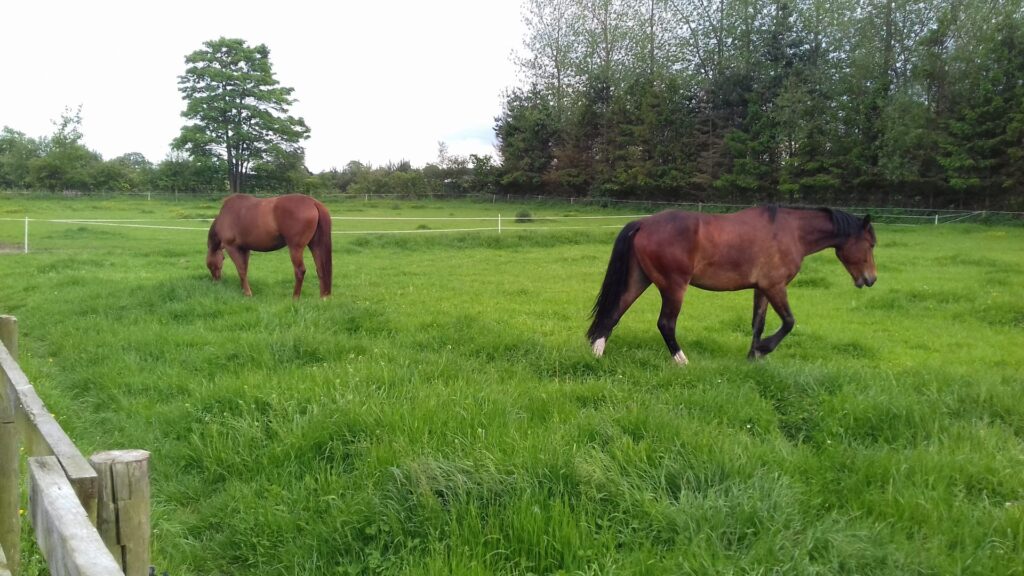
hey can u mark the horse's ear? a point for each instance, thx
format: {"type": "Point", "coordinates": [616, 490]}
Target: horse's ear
{"type": "Point", "coordinates": [867, 221]}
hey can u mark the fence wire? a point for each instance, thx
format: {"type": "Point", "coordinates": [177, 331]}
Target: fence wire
{"type": "Point", "coordinates": [501, 223]}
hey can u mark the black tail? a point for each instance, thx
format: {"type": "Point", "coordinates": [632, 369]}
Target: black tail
{"type": "Point", "coordinates": [616, 280]}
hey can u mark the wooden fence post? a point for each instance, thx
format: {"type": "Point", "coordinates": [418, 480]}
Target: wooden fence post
{"type": "Point", "coordinates": [63, 530]}
{"type": "Point", "coordinates": [9, 334]}
{"type": "Point", "coordinates": [10, 513]}
{"type": "Point", "coordinates": [122, 509]}
{"type": "Point", "coordinates": [3, 564]}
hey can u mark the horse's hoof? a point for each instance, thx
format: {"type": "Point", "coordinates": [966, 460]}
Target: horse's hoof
{"type": "Point", "coordinates": [598, 347]}
{"type": "Point", "coordinates": [755, 355]}
{"type": "Point", "coordinates": [680, 358]}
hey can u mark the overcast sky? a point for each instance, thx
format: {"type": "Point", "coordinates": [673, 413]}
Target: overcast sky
{"type": "Point", "coordinates": [375, 80]}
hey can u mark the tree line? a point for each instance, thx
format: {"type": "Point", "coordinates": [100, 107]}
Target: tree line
{"type": "Point", "coordinates": [61, 163]}
{"type": "Point", "coordinates": [903, 102]}
{"type": "Point", "coordinates": [840, 102]}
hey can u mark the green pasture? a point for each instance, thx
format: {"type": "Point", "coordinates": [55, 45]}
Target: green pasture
{"type": "Point", "coordinates": [442, 413]}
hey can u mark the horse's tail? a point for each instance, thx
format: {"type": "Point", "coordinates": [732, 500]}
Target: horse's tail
{"type": "Point", "coordinates": [616, 281]}
{"type": "Point", "coordinates": [320, 246]}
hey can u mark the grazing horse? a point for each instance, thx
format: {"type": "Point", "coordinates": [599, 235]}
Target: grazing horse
{"type": "Point", "coordinates": [246, 223]}
{"type": "Point", "coordinates": [758, 248]}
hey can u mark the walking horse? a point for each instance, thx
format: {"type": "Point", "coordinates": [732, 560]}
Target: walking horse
{"type": "Point", "coordinates": [758, 248]}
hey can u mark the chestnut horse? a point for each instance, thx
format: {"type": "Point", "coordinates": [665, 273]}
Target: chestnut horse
{"type": "Point", "coordinates": [758, 248]}
{"type": "Point", "coordinates": [246, 223]}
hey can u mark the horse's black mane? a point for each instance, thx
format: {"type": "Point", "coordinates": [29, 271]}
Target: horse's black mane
{"type": "Point", "coordinates": [844, 223]}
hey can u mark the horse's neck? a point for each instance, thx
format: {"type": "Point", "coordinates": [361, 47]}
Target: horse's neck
{"type": "Point", "coordinates": [817, 233]}
{"type": "Point", "coordinates": [213, 239]}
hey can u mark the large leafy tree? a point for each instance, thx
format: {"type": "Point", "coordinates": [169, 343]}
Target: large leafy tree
{"type": "Point", "coordinates": [237, 110]}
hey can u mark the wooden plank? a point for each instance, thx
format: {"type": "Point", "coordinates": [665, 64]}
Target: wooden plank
{"type": "Point", "coordinates": [3, 563]}
{"type": "Point", "coordinates": [10, 516]}
{"type": "Point", "coordinates": [123, 507]}
{"type": "Point", "coordinates": [44, 436]}
{"type": "Point", "coordinates": [66, 537]}
{"type": "Point", "coordinates": [10, 442]}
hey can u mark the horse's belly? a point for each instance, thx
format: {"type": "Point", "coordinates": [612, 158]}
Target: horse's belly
{"type": "Point", "coordinates": [722, 282]}
{"type": "Point", "coordinates": [256, 241]}
{"type": "Point", "coordinates": [267, 245]}
{"type": "Point", "coordinates": [723, 275]}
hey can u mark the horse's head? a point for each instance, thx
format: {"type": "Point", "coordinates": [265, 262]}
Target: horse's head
{"type": "Point", "coordinates": [214, 254]}
{"type": "Point", "coordinates": [857, 254]}
{"type": "Point", "coordinates": [215, 262]}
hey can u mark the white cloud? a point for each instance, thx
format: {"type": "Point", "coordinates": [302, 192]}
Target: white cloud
{"type": "Point", "coordinates": [375, 81]}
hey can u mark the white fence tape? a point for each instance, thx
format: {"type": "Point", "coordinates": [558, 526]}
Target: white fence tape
{"type": "Point", "coordinates": [501, 223]}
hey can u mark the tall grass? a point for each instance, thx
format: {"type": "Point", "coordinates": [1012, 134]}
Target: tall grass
{"type": "Point", "coordinates": [442, 414]}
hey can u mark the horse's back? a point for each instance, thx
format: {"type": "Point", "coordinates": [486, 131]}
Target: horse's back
{"type": "Point", "coordinates": [266, 224]}
{"type": "Point", "coordinates": [714, 251]}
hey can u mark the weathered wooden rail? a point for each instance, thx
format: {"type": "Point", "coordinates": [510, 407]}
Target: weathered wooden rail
{"type": "Point", "coordinates": [89, 517]}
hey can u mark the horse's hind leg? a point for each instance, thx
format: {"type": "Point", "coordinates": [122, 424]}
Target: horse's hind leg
{"type": "Point", "coordinates": [240, 257]}
{"type": "Point", "coordinates": [300, 268]}
{"type": "Point", "coordinates": [671, 304]}
{"type": "Point", "coordinates": [757, 323]}
{"type": "Point", "coordinates": [323, 269]}
{"type": "Point", "coordinates": [638, 282]}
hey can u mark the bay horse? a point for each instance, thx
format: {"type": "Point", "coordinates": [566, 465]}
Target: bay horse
{"type": "Point", "coordinates": [246, 223]}
{"type": "Point", "coordinates": [758, 248]}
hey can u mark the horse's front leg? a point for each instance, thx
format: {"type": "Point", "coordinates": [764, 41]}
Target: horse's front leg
{"type": "Point", "coordinates": [240, 256]}
{"type": "Point", "coordinates": [300, 268]}
{"type": "Point", "coordinates": [780, 303]}
{"type": "Point", "coordinates": [757, 324]}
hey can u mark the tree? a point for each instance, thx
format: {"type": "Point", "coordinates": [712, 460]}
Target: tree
{"type": "Point", "coordinates": [69, 128]}
{"type": "Point", "coordinates": [553, 44]}
{"type": "Point", "coordinates": [285, 170]}
{"type": "Point", "coordinates": [66, 163]}
{"type": "Point", "coordinates": [67, 167]}
{"type": "Point", "coordinates": [179, 173]}
{"type": "Point", "coordinates": [134, 171]}
{"type": "Point", "coordinates": [16, 153]}
{"type": "Point", "coordinates": [237, 109]}
{"type": "Point", "coordinates": [525, 132]}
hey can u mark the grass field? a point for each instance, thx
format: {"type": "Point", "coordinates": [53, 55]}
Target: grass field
{"type": "Point", "coordinates": [442, 414]}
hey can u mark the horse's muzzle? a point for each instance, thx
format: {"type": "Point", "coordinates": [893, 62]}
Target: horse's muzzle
{"type": "Point", "coordinates": [865, 280]}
